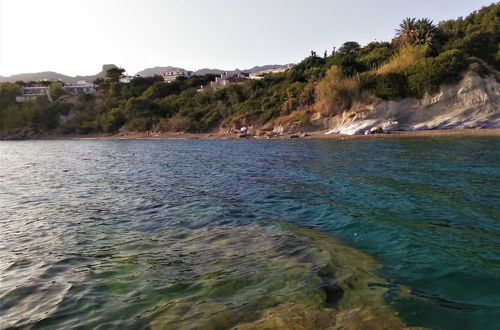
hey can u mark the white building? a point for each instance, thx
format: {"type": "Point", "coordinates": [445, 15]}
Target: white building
{"type": "Point", "coordinates": [220, 82]}
{"type": "Point", "coordinates": [126, 79]}
{"type": "Point", "coordinates": [30, 93]}
{"type": "Point", "coordinates": [81, 87]}
{"type": "Point", "coordinates": [171, 75]}
{"type": "Point", "coordinates": [260, 74]}
{"type": "Point", "coordinates": [224, 80]}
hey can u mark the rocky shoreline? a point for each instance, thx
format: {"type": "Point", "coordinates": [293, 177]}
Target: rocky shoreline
{"type": "Point", "coordinates": [267, 136]}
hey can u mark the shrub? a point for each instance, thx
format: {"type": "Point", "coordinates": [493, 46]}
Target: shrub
{"type": "Point", "coordinates": [180, 124]}
{"type": "Point", "coordinates": [300, 116]}
{"type": "Point", "coordinates": [139, 124]}
{"type": "Point", "coordinates": [386, 86]}
{"type": "Point", "coordinates": [479, 66]}
{"type": "Point", "coordinates": [376, 57]}
{"type": "Point", "coordinates": [8, 92]}
{"type": "Point", "coordinates": [307, 95]}
{"type": "Point", "coordinates": [12, 117]}
{"type": "Point", "coordinates": [403, 59]}
{"type": "Point", "coordinates": [86, 127]}
{"type": "Point", "coordinates": [56, 90]}
{"type": "Point", "coordinates": [429, 74]}
{"type": "Point", "coordinates": [114, 119]}
{"type": "Point", "coordinates": [336, 92]}
{"type": "Point", "coordinates": [161, 124]}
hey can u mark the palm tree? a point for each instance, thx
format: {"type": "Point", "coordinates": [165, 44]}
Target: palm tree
{"type": "Point", "coordinates": [425, 32]}
{"type": "Point", "coordinates": [406, 30]}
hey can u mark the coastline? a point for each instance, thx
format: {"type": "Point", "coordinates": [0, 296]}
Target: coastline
{"type": "Point", "coordinates": [301, 136]}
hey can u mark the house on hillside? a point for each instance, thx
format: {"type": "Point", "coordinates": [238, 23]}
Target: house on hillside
{"type": "Point", "coordinates": [81, 87]}
{"type": "Point", "coordinates": [220, 82]}
{"type": "Point", "coordinates": [127, 79]}
{"type": "Point", "coordinates": [225, 80]}
{"type": "Point", "coordinates": [260, 74]}
{"type": "Point", "coordinates": [30, 93]}
{"type": "Point", "coordinates": [171, 75]}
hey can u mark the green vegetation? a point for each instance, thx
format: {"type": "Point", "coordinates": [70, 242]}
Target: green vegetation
{"type": "Point", "coordinates": [56, 90]}
{"type": "Point", "coordinates": [420, 58]}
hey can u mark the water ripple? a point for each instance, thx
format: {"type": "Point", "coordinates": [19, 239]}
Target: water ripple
{"type": "Point", "coordinates": [113, 234]}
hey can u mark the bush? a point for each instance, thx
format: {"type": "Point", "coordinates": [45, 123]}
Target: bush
{"type": "Point", "coordinates": [300, 116]}
{"type": "Point", "coordinates": [386, 86]}
{"type": "Point", "coordinates": [140, 107]}
{"type": "Point", "coordinates": [86, 127]}
{"type": "Point", "coordinates": [139, 124]}
{"type": "Point", "coordinates": [403, 59]}
{"type": "Point", "coordinates": [114, 120]}
{"type": "Point", "coordinates": [429, 74]}
{"type": "Point", "coordinates": [376, 56]}
{"type": "Point", "coordinates": [56, 90]}
{"type": "Point", "coordinates": [12, 117]}
{"type": "Point", "coordinates": [311, 67]}
{"type": "Point", "coordinates": [181, 124]}
{"type": "Point", "coordinates": [336, 92]}
{"type": "Point", "coordinates": [8, 92]}
{"type": "Point", "coordinates": [479, 66]}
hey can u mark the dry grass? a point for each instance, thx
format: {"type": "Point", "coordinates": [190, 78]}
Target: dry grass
{"type": "Point", "coordinates": [298, 116]}
{"type": "Point", "coordinates": [336, 92]}
{"type": "Point", "coordinates": [403, 59]}
{"type": "Point", "coordinates": [174, 124]}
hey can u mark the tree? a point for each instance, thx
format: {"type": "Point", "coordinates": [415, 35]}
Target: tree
{"type": "Point", "coordinates": [349, 47]}
{"type": "Point", "coordinates": [406, 30]}
{"type": "Point", "coordinates": [114, 74]}
{"type": "Point", "coordinates": [56, 90]}
{"type": "Point", "coordinates": [8, 92]}
{"type": "Point", "coordinates": [336, 93]}
{"type": "Point", "coordinates": [416, 32]}
{"type": "Point", "coordinates": [425, 32]}
{"type": "Point", "coordinates": [114, 120]}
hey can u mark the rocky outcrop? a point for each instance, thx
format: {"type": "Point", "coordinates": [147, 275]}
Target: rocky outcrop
{"type": "Point", "coordinates": [472, 103]}
{"type": "Point", "coordinates": [316, 122]}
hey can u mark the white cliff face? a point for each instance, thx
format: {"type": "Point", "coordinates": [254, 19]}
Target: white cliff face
{"type": "Point", "coordinates": [472, 103]}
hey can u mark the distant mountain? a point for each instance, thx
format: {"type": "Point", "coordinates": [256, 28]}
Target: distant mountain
{"type": "Point", "coordinates": [157, 69]}
{"type": "Point", "coordinates": [205, 71]}
{"type": "Point", "coordinates": [202, 72]}
{"type": "Point", "coordinates": [149, 72]}
{"type": "Point", "coordinates": [49, 75]}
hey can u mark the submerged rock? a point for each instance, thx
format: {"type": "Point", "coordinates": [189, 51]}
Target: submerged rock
{"type": "Point", "coordinates": [276, 277]}
{"type": "Point", "coordinates": [289, 316]}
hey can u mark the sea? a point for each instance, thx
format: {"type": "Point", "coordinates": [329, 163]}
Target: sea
{"type": "Point", "coordinates": [248, 234]}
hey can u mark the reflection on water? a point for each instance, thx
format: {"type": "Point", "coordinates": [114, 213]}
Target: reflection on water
{"type": "Point", "coordinates": [199, 234]}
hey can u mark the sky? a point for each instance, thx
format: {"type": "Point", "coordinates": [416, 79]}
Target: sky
{"type": "Point", "coordinates": [76, 37]}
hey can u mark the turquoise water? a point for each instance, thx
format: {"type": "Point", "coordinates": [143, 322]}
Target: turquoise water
{"type": "Point", "coordinates": [205, 233]}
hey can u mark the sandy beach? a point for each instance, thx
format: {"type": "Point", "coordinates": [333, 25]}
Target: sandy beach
{"type": "Point", "coordinates": [305, 135]}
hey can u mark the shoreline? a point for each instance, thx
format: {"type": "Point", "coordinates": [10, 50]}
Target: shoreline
{"type": "Point", "coordinates": [318, 135]}
{"type": "Point", "coordinates": [315, 135]}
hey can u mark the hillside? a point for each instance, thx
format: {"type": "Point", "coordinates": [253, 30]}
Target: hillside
{"type": "Point", "coordinates": [472, 103]}
{"type": "Point", "coordinates": [429, 76]}
{"type": "Point", "coordinates": [49, 75]}
{"type": "Point", "coordinates": [149, 72]}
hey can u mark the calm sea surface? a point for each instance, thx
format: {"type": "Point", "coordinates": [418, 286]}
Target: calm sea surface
{"type": "Point", "coordinates": [207, 234]}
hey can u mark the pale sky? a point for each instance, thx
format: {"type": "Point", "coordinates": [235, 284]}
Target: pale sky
{"type": "Point", "coordinates": [79, 36]}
